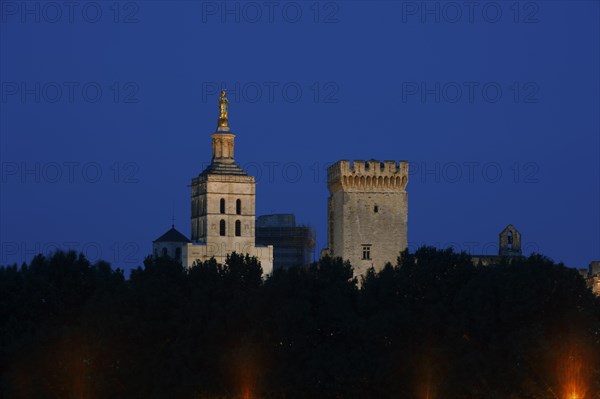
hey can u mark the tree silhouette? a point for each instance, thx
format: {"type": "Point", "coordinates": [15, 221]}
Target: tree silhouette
{"type": "Point", "coordinates": [432, 325]}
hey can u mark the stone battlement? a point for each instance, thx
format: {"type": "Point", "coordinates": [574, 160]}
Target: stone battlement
{"type": "Point", "coordinates": [371, 174]}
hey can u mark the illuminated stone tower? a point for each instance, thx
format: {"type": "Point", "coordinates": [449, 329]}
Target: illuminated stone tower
{"type": "Point", "coordinates": [223, 204]}
{"type": "Point", "coordinates": [367, 212]}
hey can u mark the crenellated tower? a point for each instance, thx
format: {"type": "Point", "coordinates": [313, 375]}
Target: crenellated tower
{"type": "Point", "coordinates": [367, 212]}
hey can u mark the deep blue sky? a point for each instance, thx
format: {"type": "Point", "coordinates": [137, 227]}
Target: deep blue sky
{"type": "Point", "coordinates": [369, 73]}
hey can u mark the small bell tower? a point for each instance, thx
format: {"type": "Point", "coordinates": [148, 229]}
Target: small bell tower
{"type": "Point", "coordinates": [223, 195]}
{"type": "Point", "coordinates": [510, 242]}
{"type": "Point", "coordinates": [223, 208]}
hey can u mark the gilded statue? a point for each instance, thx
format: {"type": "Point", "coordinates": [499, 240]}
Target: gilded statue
{"type": "Point", "coordinates": [223, 109]}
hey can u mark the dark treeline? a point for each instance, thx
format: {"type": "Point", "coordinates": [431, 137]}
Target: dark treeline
{"type": "Point", "coordinates": [433, 326]}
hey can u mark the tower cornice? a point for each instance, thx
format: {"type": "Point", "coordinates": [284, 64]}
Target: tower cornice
{"type": "Point", "coordinates": [370, 175]}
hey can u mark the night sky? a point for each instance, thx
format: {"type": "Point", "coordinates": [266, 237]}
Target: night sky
{"type": "Point", "coordinates": [107, 110]}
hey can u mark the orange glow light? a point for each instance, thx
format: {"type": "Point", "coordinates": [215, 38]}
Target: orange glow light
{"type": "Point", "coordinates": [573, 376]}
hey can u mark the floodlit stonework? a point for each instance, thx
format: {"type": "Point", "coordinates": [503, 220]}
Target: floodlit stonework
{"type": "Point", "coordinates": [367, 215]}
{"type": "Point", "coordinates": [594, 284]}
{"type": "Point", "coordinates": [223, 209]}
{"type": "Point", "coordinates": [367, 212]}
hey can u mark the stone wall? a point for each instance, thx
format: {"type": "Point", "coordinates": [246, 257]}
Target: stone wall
{"type": "Point", "coordinates": [158, 249]}
{"type": "Point", "coordinates": [367, 209]}
{"type": "Point", "coordinates": [199, 253]}
{"type": "Point", "coordinates": [207, 192]}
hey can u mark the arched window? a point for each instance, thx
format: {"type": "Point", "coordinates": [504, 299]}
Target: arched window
{"type": "Point", "coordinates": [222, 227]}
{"type": "Point", "coordinates": [509, 239]}
{"type": "Point", "coordinates": [164, 252]}
{"type": "Point", "coordinates": [222, 205]}
{"type": "Point", "coordinates": [238, 206]}
{"type": "Point", "coordinates": [238, 228]}
{"type": "Point", "coordinates": [177, 253]}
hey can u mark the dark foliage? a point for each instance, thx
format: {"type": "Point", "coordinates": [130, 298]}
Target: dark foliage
{"type": "Point", "coordinates": [432, 326]}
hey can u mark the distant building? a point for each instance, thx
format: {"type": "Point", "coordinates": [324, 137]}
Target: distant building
{"type": "Point", "coordinates": [510, 246]}
{"type": "Point", "coordinates": [594, 284]}
{"type": "Point", "coordinates": [367, 212]}
{"type": "Point", "coordinates": [292, 245]}
{"type": "Point", "coordinates": [593, 277]}
{"type": "Point", "coordinates": [509, 241]}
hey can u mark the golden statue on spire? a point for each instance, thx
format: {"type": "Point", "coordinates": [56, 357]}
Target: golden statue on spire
{"type": "Point", "coordinates": [223, 110]}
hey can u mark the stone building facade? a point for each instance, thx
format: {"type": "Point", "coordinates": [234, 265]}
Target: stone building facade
{"type": "Point", "coordinates": [592, 277]}
{"type": "Point", "coordinates": [222, 207]}
{"type": "Point", "coordinates": [367, 212]}
{"type": "Point", "coordinates": [593, 282]}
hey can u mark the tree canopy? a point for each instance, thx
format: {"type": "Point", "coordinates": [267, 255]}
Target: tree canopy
{"type": "Point", "coordinates": [431, 326]}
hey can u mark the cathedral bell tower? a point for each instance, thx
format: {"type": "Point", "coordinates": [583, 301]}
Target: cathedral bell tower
{"type": "Point", "coordinates": [223, 203]}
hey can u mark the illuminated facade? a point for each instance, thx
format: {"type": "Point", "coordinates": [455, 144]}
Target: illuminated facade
{"type": "Point", "coordinates": [222, 207]}
{"type": "Point", "coordinates": [367, 212]}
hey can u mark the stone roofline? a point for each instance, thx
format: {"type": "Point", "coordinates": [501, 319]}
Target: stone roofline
{"type": "Point", "coordinates": [202, 243]}
{"type": "Point", "coordinates": [372, 167]}
{"type": "Point", "coordinates": [202, 178]}
{"type": "Point", "coordinates": [368, 175]}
